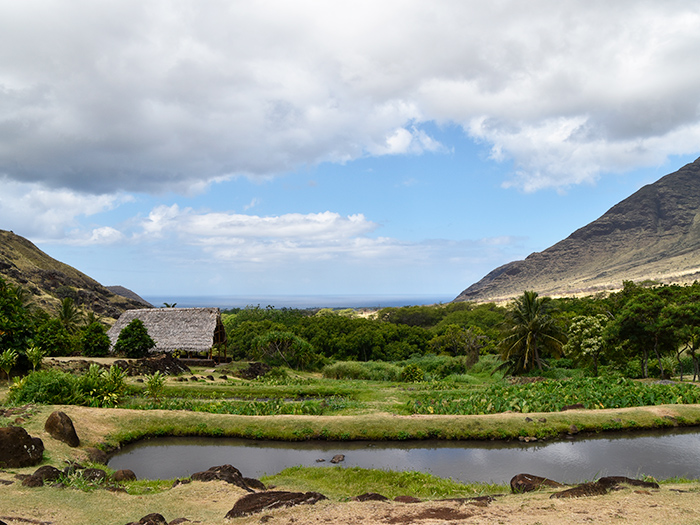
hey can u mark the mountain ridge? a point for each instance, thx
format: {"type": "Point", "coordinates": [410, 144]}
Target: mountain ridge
{"type": "Point", "coordinates": [654, 234]}
{"type": "Point", "coordinates": [48, 280]}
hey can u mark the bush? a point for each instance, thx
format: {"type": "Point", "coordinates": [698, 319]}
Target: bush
{"type": "Point", "coordinates": [412, 374]}
{"type": "Point", "coordinates": [48, 387]}
{"type": "Point", "coordinates": [367, 371]}
{"type": "Point", "coordinates": [53, 339]}
{"type": "Point", "coordinates": [98, 388]}
{"type": "Point", "coordinates": [134, 340]}
{"type": "Point", "coordinates": [94, 341]}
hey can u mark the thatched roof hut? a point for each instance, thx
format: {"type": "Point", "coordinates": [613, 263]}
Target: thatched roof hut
{"type": "Point", "coordinates": [186, 329]}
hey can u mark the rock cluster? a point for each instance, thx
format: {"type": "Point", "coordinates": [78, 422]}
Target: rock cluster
{"type": "Point", "coordinates": [528, 482]}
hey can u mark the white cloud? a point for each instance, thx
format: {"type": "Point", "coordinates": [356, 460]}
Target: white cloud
{"type": "Point", "coordinates": [44, 214]}
{"type": "Point", "coordinates": [167, 96]}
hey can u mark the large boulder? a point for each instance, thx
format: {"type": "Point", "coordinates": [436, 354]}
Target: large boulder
{"type": "Point", "coordinates": [227, 473]}
{"type": "Point", "coordinates": [261, 501]}
{"type": "Point", "coordinates": [60, 427]}
{"type": "Point", "coordinates": [528, 483]}
{"type": "Point", "coordinates": [18, 449]}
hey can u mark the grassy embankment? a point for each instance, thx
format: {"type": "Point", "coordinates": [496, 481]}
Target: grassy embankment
{"type": "Point", "coordinates": [363, 410]}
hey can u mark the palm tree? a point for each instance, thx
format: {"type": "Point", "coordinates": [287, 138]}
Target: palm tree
{"type": "Point", "coordinates": [532, 332]}
{"type": "Point", "coordinates": [69, 315]}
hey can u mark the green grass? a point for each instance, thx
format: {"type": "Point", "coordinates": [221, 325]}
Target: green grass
{"type": "Point", "coordinates": [342, 483]}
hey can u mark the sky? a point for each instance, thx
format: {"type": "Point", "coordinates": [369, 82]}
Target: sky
{"type": "Point", "coordinates": [399, 147]}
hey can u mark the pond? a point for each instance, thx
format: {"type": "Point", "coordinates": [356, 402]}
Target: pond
{"type": "Point", "coordinates": [662, 454]}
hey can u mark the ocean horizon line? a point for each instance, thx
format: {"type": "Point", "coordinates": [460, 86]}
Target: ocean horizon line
{"type": "Point", "coordinates": [297, 301]}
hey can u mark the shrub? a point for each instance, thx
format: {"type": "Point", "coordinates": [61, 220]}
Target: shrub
{"type": "Point", "coordinates": [35, 356]}
{"type": "Point", "coordinates": [134, 340]}
{"type": "Point", "coordinates": [97, 387]}
{"type": "Point", "coordinates": [94, 341]}
{"type": "Point", "coordinates": [49, 387]}
{"type": "Point", "coordinates": [155, 385]}
{"type": "Point", "coordinates": [53, 339]}
{"type": "Point", "coordinates": [368, 371]}
{"type": "Point", "coordinates": [8, 358]}
{"type": "Point", "coordinates": [412, 374]}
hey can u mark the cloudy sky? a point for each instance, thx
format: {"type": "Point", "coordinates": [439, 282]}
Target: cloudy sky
{"type": "Point", "coordinates": [311, 147]}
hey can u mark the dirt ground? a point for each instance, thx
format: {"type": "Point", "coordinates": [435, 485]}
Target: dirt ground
{"type": "Point", "coordinates": [208, 503]}
{"type": "Point", "coordinates": [664, 506]}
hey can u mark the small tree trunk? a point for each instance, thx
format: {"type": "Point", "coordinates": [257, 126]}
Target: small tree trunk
{"type": "Point", "coordinates": [645, 363]}
{"type": "Point", "coordinates": [658, 357]}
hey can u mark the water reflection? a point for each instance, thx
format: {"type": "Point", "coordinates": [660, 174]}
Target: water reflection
{"type": "Point", "coordinates": [661, 454]}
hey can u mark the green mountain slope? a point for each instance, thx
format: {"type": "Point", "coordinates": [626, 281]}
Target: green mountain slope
{"type": "Point", "coordinates": [48, 281]}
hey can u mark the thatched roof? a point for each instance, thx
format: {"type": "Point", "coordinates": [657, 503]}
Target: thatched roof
{"type": "Point", "coordinates": [188, 329]}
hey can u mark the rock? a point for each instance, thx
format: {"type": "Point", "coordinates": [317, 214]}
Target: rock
{"type": "Point", "coordinates": [227, 473]}
{"type": "Point", "coordinates": [94, 474]}
{"type": "Point", "coordinates": [47, 473]}
{"type": "Point", "coordinates": [255, 370]}
{"type": "Point", "coordinates": [96, 455]}
{"type": "Point", "coordinates": [611, 481]}
{"type": "Point", "coordinates": [42, 475]}
{"type": "Point", "coordinates": [210, 378]}
{"type": "Point", "coordinates": [150, 519]}
{"type": "Point", "coordinates": [602, 486]}
{"type": "Point", "coordinates": [576, 406]}
{"type": "Point", "coordinates": [33, 481]}
{"type": "Point", "coordinates": [338, 458]}
{"type": "Point", "coordinates": [406, 499]}
{"type": "Point", "coordinates": [527, 483]}
{"type": "Point", "coordinates": [586, 489]}
{"type": "Point", "coordinates": [573, 430]}
{"type": "Point", "coordinates": [370, 496]}
{"type": "Point", "coordinates": [18, 449]}
{"type": "Point", "coordinates": [260, 501]}
{"type": "Point", "coordinates": [124, 475]}
{"type": "Point", "coordinates": [60, 427]}
{"type": "Point", "coordinates": [254, 484]}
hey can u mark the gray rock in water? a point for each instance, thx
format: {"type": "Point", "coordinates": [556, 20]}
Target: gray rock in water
{"type": "Point", "coordinates": [338, 458]}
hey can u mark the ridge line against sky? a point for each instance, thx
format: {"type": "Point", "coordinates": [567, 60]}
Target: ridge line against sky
{"type": "Point", "coordinates": [275, 147]}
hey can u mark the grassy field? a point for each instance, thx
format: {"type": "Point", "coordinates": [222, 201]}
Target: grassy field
{"type": "Point", "coordinates": [340, 410]}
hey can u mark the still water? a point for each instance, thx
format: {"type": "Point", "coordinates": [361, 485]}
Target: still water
{"type": "Point", "coordinates": [662, 454]}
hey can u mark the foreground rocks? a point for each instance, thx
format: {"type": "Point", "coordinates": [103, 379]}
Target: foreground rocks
{"type": "Point", "coordinates": [260, 501]}
{"type": "Point", "coordinates": [60, 427]}
{"type": "Point", "coordinates": [528, 483]}
{"type": "Point", "coordinates": [165, 364]}
{"type": "Point", "coordinates": [18, 449]}
{"type": "Point", "coordinates": [229, 474]}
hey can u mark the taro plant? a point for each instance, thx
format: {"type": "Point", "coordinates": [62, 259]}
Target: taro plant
{"type": "Point", "coordinates": [155, 385]}
{"type": "Point", "coordinates": [35, 356]}
{"type": "Point", "coordinates": [8, 358]}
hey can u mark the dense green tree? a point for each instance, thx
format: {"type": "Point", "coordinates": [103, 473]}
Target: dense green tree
{"type": "Point", "coordinates": [640, 325]}
{"type": "Point", "coordinates": [16, 322]}
{"type": "Point", "coordinates": [284, 348]}
{"type": "Point", "coordinates": [53, 339]}
{"type": "Point", "coordinates": [94, 341]}
{"type": "Point", "coordinates": [586, 340]}
{"type": "Point", "coordinates": [69, 315]}
{"type": "Point", "coordinates": [134, 341]}
{"type": "Point", "coordinates": [532, 333]}
{"type": "Point", "coordinates": [455, 341]}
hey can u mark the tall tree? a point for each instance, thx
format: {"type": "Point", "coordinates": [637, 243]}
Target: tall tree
{"type": "Point", "coordinates": [532, 333]}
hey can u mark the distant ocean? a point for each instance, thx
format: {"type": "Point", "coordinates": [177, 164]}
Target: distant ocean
{"type": "Point", "coordinates": [297, 301]}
